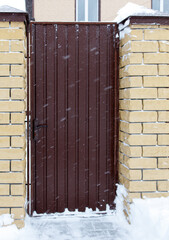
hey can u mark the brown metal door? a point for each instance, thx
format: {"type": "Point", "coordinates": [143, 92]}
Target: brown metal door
{"type": "Point", "coordinates": [74, 112]}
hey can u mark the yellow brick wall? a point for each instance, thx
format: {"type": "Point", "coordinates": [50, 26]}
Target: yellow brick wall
{"type": "Point", "coordinates": [144, 111]}
{"type": "Point", "coordinates": [12, 119]}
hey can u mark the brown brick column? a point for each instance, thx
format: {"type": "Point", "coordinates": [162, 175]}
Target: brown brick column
{"type": "Point", "coordinates": [12, 115]}
{"type": "Point", "coordinates": [144, 109]}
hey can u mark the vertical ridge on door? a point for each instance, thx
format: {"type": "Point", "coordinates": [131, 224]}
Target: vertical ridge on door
{"type": "Point", "coordinates": [50, 119]}
{"type": "Point", "coordinates": [62, 104]}
{"type": "Point", "coordinates": [71, 111]}
{"type": "Point", "coordinates": [83, 133]}
{"type": "Point", "coordinates": [103, 141]}
{"type": "Point", "coordinates": [92, 118]}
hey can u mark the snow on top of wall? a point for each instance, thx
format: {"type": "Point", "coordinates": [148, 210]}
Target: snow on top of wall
{"type": "Point", "coordinates": [6, 8]}
{"type": "Point", "coordinates": [131, 9]}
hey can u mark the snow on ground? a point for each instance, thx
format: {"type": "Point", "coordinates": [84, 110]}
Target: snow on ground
{"type": "Point", "coordinates": [149, 221]}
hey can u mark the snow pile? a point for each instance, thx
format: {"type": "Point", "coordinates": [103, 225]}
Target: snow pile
{"type": "Point", "coordinates": [131, 9]}
{"type": "Point", "coordinates": [5, 220]}
{"type": "Point", "coordinates": [149, 221]}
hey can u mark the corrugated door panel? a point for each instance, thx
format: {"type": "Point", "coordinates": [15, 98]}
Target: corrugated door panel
{"type": "Point", "coordinates": [103, 114]}
{"type": "Point", "coordinates": [71, 112]}
{"type": "Point", "coordinates": [62, 117]}
{"type": "Point", "coordinates": [50, 118]}
{"type": "Point", "coordinates": [40, 116]}
{"type": "Point", "coordinates": [110, 105]}
{"type": "Point", "coordinates": [92, 118]}
{"type": "Point", "coordinates": [83, 167]}
{"type": "Point", "coordinates": [75, 85]}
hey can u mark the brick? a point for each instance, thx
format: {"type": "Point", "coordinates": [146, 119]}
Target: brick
{"type": "Point", "coordinates": [132, 196]}
{"type": "Point", "coordinates": [18, 141]}
{"type": "Point", "coordinates": [163, 185]}
{"type": "Point", "coordinates": [143, 26]}
{"type": "Point", "coordinates": [155, 104]}
{"type": "Point", "coordinates": [164, 46]}
{"type": "Point", "coordinates": [155, 195]}
{"type": "Point", "coordinates": [9, 201]}
{"type": "Point", "coordinates": [131, 82]}
{"type": "Point", "coordinates": [4, 94]}
{"type": "Point", "coordinates": [130, 151]}
{"type": "Point", "coordinates": [18, 70]}
{"type": "Point", "coordinates": [13, 82]}
{"type": "Point", "coordinates": [142, 186]}
{"type": "Point", "coordinates": [17, 25]}
{"type": "Point", "coordinates": [163, 116]}
{"type": "Point", "coordinates": [11, 178]}
{"type": "Point", "coordinates": [18, 94]}
{"type": "Point", "coordinates": [155, 128]}
{"type": "Point", "coordinates": [4, 211]}
{"type": "Point", "coordinates": [18, 213]}
{"type": "Point", "coordinates": [142, 140]}
{"type": "Point", "coordinates": [131, 127]}
{"type": "Point", "coordinates": [163, 69]}
{"type": "Point", "coordinates": [132, 58]}
{"type": "Point", "coordinates": [163, 162]}
{"type": "Point", "coordinates": [156, 81]}
{"type": "Point", "coordinates": [156, 34]}
{"type": "Point", "coordinates": [17, 46]}
{"type": "Point", "coordinates": [125, 49]}
{"type": "Point", "coordinates": [12, 153]}
{"type": "Point", "coordinates": [164, 26]}
{"type": "Point", "coordinates": [155, 151]}
{"type": "Point", "coordinates": [12, 106]}
{"type": "Point", "coordinates": [163, 93]}
{"type": "Point", "coordinates": [12, 130]}
{"type": "Point", "coordinates": [163, 140]}
{"type": "Point", "coordinates": [143, 116]}
{"type": "Point", "coordinates": [4, 166]}
{"type": "Point", "coordinates": [148, 46]}
{"type": "Point", "coordinates": [4, 46]}
{"type": "Point", "coordinates": [4, 189]}
{"type": "Point", "coordinates": [130, 104]}
{"type": "Point", "coordinates": [4, 118]}
{"type": "Point", "coordinates": [140, 163]}
{"type": "Point", "coordinates": [18, 117]}
{"type": "Point", "coordinates": [121, 157]}
{"type": "Point", "coordinates": [18, 189]}
{"type": "Point", "coordinates": [124, 115]}
{"type": "Point", "coordinates": [11, 34]}
{"type": "Point", "coordinates": [138, 93]}
{"type": "Point", "coordinates": [136, 34]}
{"type": "Point", "coordinates": [156, 58]}
{"type": "Point", "coordinates": [4, 70]}
{"type": "Point", "coordinates": [19, 223]}
{"type": "Point", "coordinates": [125, 39]}
{"type": "Point", "coordinates": [130, 174]}
{"type": "Point", "coordinates": [142, 70]}
{"type": "Point", "coordinates": [122, 179]}
{"type": "Point", "coordinates": [4, 24]}
{"type": "Point", "coordinates": [17, 166]}
{"type": "Point", "coordinates": [4, 141]}
{"type": "Point", "coordinates": [11, 58]}
{"type": "Point", "coordinates": [159, 174]}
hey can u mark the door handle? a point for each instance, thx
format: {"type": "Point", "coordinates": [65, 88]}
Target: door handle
{"type": "Point", "coordinates": [41, 126]}
{"type": "Point", "coordinates": [36, 127]}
